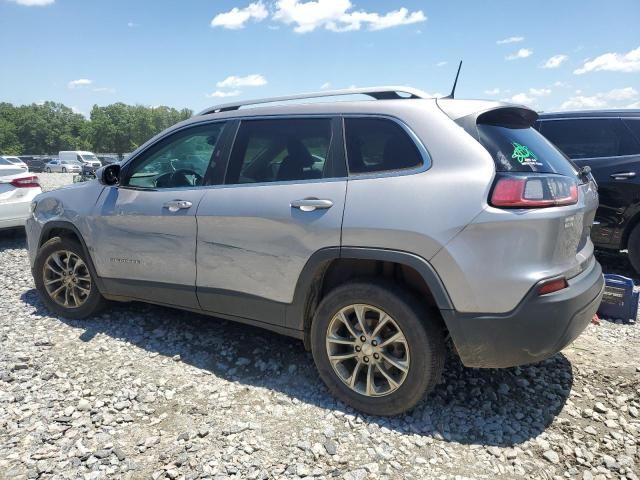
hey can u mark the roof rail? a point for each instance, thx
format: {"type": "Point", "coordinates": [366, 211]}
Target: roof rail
{"type": "Point", "coordinates": [379, 93]}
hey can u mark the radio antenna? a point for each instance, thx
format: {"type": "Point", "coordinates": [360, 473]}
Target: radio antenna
{"type": "Point", "coordinates": [455, 82]}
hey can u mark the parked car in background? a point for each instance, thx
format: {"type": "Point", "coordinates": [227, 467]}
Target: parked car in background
{"type": "Point", "coordinates": [35, 164]}
{"type": "Point", "coordinates": [108, 159]}
{"type": "Point", "coordinates": [609, 143]}
{"type": "Point", "coordinates": [15, 161]}
{"type": "Point", "coordinates": [83, 157]}
{"type": "Point", "coordinates": [445, 231]}
{"type": "Point", "coordinates": [17, 191]}
{"type": "Point", "coordinates": [63, 166]}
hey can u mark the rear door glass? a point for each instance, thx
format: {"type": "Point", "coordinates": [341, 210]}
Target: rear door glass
{"type": "Point", "coordinates": [590, 138]}
{"type": "Point", "coordinates": [522, 150]}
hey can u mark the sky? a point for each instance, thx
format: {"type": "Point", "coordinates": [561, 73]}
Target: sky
{"type": "Point", "coordinates": [547, 54]}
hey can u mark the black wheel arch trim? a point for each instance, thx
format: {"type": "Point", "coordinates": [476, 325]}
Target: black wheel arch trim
{"type": "Point", "coordinates": [298, 313]}
{"type": "Point", "coordinates": [65, 225]}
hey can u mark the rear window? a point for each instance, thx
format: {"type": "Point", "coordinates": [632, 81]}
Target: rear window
{"type": "Point", "coordinates": [522, 150]}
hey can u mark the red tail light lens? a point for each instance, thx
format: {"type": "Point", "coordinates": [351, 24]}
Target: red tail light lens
{"type": "Point", "coordinates": [534, 191]}
{"type": "Point", "coordinates": [25, 182]}
{"type": "Point", "coordinates": [552, 286]}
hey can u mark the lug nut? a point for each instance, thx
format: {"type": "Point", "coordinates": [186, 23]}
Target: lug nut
{"type": "Point", "coordinates": [376, 356]}
{"type": "Point", "coordinates": [366, 359]}
{"type": "Point", "coordinates": [374, 343]}
{"type": "Point", "coordinates": [363, 338]}
{"type": "Point", "coordinates": [357, 348]}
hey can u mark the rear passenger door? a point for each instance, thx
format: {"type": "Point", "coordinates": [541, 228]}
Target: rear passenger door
{"type": "Point", "coordinates": [610, 149]}
{"type": "Point", "coordinates": [282, 201]}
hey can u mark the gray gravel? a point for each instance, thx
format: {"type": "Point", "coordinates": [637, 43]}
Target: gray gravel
{"type": "Point", "coordinates": [149, 392]}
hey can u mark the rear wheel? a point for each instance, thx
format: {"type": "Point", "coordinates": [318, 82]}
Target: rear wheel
{"type": "Point", "coordinates": [63, 278]}
{"type": "Point", "coordinates": [64, 170]}
{"type": "Point", "coordinates": [633, 248]}
{"type": "Point", "coordinates": [48, 170]}
{"type": "Point", "coordinates": [376, 348]}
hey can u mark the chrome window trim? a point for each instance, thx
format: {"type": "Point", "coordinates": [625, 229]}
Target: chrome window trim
{"type": "Point", "coordinates": [424, 153]}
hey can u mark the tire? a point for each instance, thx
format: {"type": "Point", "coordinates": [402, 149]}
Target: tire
{"type": "Point", "coordinates": [422, 352]}
{"type": "Point", "coordinates": [64, 170]}
{"type": "Point", "coordinates": [48, 170]}
{"type": "Point", "coordinates": [85, 299]}
{"type": "Point", "coordinates": [633, 248]}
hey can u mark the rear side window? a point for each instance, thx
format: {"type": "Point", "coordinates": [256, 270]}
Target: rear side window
{"type": "Point", "coordinates": [634, 125]}
{"type": "Point", "coordinates": [522, 150]}
{"type": "Point", "coordinates": [379, 144]}
{"type": "Point", "coordinates": [280, 150]}
{"type": "Point", "coordinates": [590, 138]}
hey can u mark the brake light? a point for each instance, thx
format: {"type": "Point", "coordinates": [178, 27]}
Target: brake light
{"type": "Point", "coordinates": [534, 191]}
{"type": "Point", "coordinates": [25, 182]}
{"type": "Point", "coordinates": [552, 286]}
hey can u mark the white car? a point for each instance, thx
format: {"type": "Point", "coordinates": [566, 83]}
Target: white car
{"type": "Point", "coordinates": [17, 191]}
{"type": "Point", "coordinates": [63, 166]}
{"type": "Point", "coordinates": [14, 161]}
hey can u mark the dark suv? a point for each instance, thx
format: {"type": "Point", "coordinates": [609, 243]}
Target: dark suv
{"type": "Point", "coordinates": [609, 143]}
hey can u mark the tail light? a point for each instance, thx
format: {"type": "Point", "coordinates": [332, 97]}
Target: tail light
{"type": "Point", "coordinates": [25, 182]}
{"type": "Point", "coordinates": [534, 191]}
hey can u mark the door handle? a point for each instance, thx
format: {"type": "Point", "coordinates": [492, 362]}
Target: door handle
{"type": "Point", "coordinates": [310, 204]}
{"type": "Point", "coordinates": [623, 175]}
{"type": "Point", "coordinates": [175, 205]}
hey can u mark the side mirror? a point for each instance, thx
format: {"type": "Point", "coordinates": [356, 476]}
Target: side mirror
{"type": "Point", "coordinates": [109, 174]}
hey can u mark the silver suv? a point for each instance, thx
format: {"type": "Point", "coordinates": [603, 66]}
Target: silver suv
{"type": "Point", "coordinates": [374, 231]}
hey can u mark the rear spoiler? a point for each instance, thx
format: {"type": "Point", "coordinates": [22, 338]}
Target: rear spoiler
{"type": "Point", "coordinates": [468, 114]}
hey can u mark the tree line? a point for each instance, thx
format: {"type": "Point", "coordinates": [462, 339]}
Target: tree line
{"type": "Point", "coordinates": [47, 128]}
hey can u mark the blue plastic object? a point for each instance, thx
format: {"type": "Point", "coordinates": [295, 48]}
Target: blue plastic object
{"type": "Point", "coordinates": [619, 301]}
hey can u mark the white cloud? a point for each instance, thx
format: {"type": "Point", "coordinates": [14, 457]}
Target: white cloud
{"type": "Point", "coordinates": [539, 92]}
{"type": "Point", "coordinates": [336, 15]}
{"type": "Point", "coordinates": [236, 18]}
{"type": "Point", "coordinates": [612, 62]}
{"type": "Point", "coordinates": [561, 84]}
{"type": "Point", "coordinates": [222, 94]}
{"type": "Point", "coordinates": [81, 82]}
{"type": "Point", "coordinates": [133, 25]}
{"type": "Point", "coordinates": [492, 91]}
{"type": "Point", "coordinates": [522, 53]}
{"type": "Point", "coordinates": [618, 97]}
{"type": "Point", "coordinates": [634, 105]}
{"type": "Point", "coordinates": [555, 61]}
{"type": "Point", "coordinates": [253, 80]}
{"type": "Point", "coordinates": [104, 90]}
{"type": "Point", "coordinates": [510, 40]}
{"type": "Point", "coordinates": [325, 85]}
{"type": "Point", "coordinates": [522, 98]}
{"type": "Point", "coordinates": [441, 64]}
{"type": "Point", "coordinates": [33, 3]}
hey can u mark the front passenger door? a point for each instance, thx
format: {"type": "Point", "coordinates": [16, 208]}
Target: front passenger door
{"type": "Point", "coordinates": [146, 226]}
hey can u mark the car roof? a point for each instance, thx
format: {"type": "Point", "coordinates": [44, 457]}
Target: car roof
{"type": "Point", "coordinates": [629, 112]}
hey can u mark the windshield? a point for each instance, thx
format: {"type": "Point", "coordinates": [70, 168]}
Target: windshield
{"type": "Point", "coordinates": [90, 158]}
{"type": "Point", "coordinates": [523, 150]}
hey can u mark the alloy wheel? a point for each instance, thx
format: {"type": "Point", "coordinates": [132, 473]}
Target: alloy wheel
{"type": "Point", "coordinates": [66, 279]}
{"type": "Point", "coordinates": [367, 350]}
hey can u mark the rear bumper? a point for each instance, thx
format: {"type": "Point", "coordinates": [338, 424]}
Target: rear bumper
{"type": "Point", "coordinates": [537, 329]}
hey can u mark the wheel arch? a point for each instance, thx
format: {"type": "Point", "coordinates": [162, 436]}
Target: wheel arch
{"type": "Point", "coordinates": [61, 228]}
{"type": "Point", "coordinates": [321, 270]}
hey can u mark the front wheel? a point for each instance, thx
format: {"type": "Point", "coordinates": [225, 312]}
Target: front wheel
{"type": "Point", "coordinates": [64, 170]}
{"type": "Point", "coordinates": [48, 170]}
{"type": "Point", "coordinates": [376, 347]}
{"type": "Point", "coordinates": [63, 278]}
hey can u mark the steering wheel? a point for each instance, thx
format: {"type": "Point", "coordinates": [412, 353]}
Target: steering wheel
{"type": "Point", "coordinates": [178, 178]}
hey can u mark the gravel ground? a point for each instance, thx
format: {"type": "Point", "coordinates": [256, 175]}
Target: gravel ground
{"type": "Point", "coordinates": [149, 392]}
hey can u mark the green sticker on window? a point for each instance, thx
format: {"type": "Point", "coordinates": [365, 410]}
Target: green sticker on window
{"type": "Point", "coordinates": [523, 154]}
